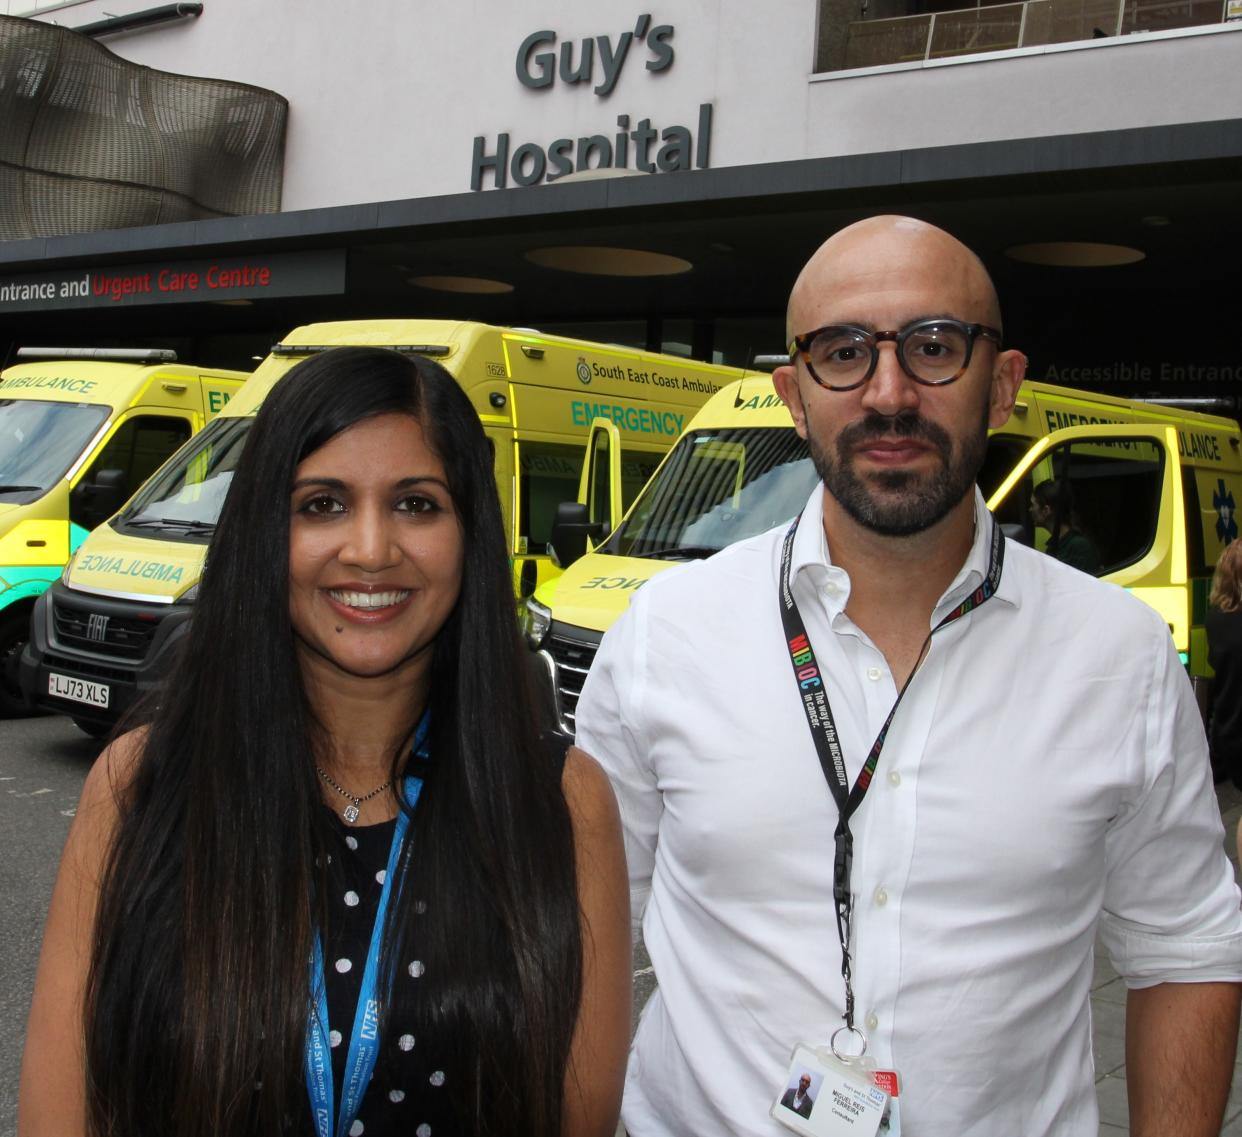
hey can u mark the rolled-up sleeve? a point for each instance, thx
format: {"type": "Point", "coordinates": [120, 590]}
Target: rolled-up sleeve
{"type": "Point", "coordinates": [1171, 901]}
{"type": "Point", "coordinates": [607, 721]}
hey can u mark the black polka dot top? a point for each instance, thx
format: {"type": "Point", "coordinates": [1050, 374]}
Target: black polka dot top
{"type": "Point", "coordinates": [406, 1094]}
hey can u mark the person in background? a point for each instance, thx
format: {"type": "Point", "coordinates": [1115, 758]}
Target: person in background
{"type": "Point", "coordinates": [1223, 623]}
{"type": "Point", "coordinates": [339, 884]}
{"type": "Point", "coordinates": [845, 829]}
{"type": "Point", "coordinates": [1052, 506]}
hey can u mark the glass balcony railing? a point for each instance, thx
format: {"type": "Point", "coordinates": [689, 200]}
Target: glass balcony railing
{"type": "Point", "coordinates": [997, 27]}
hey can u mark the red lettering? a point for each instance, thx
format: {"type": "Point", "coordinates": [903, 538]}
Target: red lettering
{"type": "Point", "coordinates": [247, 276]}
{"type": "Point", "coordinates": [116, 288]}
{"type": "Point", "coordinates": [170, 281]}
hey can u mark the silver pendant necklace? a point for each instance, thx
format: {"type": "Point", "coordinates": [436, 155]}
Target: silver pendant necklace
{"type": "Point", "coordinates": [350, 812]}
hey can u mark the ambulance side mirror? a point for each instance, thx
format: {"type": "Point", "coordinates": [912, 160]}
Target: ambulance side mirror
{"type": "Point", "coordinates": [101, 496]}
{"type": "Point", "coordinates": [571, 527]}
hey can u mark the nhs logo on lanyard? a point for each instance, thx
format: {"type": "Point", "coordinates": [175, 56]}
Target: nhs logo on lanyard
{"type": "Point", "coordinates": [370, 1021]}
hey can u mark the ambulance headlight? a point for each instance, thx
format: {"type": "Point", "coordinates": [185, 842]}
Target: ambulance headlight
{"type": "Point", "coordinates": [64, 576]}
{"type": "Point", "coordinates": [536, 620]}
{"type": "Point", "coordinates": [189, 595]}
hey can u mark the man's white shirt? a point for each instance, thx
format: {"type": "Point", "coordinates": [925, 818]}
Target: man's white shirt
{"type": "Point", "coordinates": [1046, 773]}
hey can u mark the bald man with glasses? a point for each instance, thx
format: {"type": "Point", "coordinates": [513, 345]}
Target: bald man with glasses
{"type": "Point", "coordinates": [845, 827]}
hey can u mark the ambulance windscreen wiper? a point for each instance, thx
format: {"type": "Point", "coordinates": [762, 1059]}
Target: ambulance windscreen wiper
{"type": "Point", "coordinates": [171, 523]}
{"type": "Point", "coordinates": [679, 553]}
{"type": "Point", "coordinates": [18, 489]}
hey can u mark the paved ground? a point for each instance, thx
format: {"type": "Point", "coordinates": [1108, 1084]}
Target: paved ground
{"type": "Point", "coordinates": [42, 764]}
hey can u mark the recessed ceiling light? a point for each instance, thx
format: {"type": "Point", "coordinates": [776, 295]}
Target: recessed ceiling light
{"type": "Point", "coordinates": [476, 285]}
{"type": "Point", "coordinates": [600, 260]}
{"type": "Point", "coordinates": [1075, 254]}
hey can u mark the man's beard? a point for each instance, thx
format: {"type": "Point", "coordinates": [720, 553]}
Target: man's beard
{"type": "Point", "coordinates": [909, 502]}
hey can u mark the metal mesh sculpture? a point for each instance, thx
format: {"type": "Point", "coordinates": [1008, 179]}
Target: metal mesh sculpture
{"type": "Point", "coordinates": [91, 141]}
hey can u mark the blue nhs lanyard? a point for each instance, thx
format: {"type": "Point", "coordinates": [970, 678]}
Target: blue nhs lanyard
{"type": "Point", "coordinates": [364, 1042]}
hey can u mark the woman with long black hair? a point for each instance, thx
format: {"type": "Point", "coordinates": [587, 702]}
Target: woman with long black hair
{"type": "Point", "coordinates": [339, 884]}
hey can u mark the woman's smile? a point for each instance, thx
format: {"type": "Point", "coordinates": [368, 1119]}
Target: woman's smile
{"type": "Point", "coordinates": [358, 602]}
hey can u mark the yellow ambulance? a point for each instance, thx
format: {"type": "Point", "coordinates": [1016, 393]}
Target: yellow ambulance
{"type": "Point", "coordinates": [1153, 491]}
{"type": "Point", "coordinates": [103, 634]}
{"type": "Point", "coordinates": [80, 430]}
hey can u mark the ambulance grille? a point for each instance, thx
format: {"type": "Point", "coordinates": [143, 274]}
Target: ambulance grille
{"type": "Point", "coordinates": [80, 667]}
{"type": "Point", "coordinates": [573, 659]}
{"type": "Point", "coordinates": [100, 634]}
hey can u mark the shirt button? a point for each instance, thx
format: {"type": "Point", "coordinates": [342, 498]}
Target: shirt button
{"type": "Point", "coordinates": [881, 897]}
{"type": "Point", "coordinates": [872, 1022]}
{"type": "Point", "coordinates": [874, 673]}
{"type": "Point", "coordinates": [894, 778]}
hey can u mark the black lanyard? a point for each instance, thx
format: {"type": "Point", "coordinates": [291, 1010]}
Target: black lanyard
{"type": "Point", "coordinates": [823, 728]}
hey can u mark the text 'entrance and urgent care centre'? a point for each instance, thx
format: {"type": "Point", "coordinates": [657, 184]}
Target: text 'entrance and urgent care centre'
{"type": "Point", "coordinates": [238, 278]}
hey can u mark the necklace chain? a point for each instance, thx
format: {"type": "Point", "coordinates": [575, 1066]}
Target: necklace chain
{"type": "Point", "coordinates": [350, 812]}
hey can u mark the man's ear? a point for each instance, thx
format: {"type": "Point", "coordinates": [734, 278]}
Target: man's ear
{"type": "Point", "coordinates": [785, 380]}
{"type": "Point", "coordinates": [1007, 376]}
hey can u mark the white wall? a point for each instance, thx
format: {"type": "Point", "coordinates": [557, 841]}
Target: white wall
{"type": "Point", "coordinates": [1113, 84]}
{"type": "Point", "coordinates": [387, 95]}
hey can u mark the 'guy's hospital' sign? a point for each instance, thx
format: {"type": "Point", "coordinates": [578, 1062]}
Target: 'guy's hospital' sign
{"type": "Point", "coordinates": [633, 143]}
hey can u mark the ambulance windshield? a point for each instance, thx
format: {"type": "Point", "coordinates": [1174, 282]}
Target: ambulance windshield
{"type": "Point", "coordinates": [39, 442]}
{"type": "Point", "coordinates": [717, 487]}
{"type": "Point", "coordinates": [184, 498]}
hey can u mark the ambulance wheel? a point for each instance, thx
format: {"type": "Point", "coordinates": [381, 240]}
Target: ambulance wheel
{"type": "Point", "coordinates": [14, 632]}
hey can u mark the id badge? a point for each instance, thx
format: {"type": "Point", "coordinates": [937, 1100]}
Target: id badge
{"type": "Point", "coordinates": [824, 1096]}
